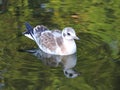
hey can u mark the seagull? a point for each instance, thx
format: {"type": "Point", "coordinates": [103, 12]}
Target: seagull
{"type": "Point", "coordinates": [54, 42]}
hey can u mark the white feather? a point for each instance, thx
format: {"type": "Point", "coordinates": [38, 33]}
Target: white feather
{"type": "Point", "coordinates": [29, 36]}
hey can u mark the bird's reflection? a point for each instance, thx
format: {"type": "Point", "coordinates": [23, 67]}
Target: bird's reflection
{"type": "Point", "coordinates": [68, 62]}
{"type": "Point", "coordinates": [2, 82]}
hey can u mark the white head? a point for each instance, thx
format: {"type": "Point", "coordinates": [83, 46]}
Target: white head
{"type": "Point", "coordinates": [69, 33]}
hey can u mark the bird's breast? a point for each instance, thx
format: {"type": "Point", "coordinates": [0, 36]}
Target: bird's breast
{"type": "Point", "coordinates": [68, 47]}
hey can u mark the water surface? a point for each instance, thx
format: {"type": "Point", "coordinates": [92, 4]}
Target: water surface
{"type": "Point", "coordinates": [96, 22]}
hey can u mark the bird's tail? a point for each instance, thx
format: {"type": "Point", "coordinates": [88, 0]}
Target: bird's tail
{"type": "Point", "coordinates": [29, 28]}
{"type": "Point", "coordinates": [29, 31]}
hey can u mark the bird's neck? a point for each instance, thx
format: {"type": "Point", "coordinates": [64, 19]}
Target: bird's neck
{"type": "Point", "coordinates": [70, 46]}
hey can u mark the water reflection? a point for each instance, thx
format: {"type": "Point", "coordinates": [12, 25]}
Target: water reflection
{"type": "Point", "coordinates": [67, 62]}
{"type": "Point", "coordinates": [2, 79]}
{"type": "Point", "coordinates": [96, 22]}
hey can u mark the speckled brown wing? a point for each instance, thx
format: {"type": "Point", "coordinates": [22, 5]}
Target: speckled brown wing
{"type": "Point", "coordinates": [47, 40]}
{"type": "Point", "coordinates": [59, 41]}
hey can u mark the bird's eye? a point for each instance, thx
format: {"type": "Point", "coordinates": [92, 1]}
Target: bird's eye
{"type": "Point", "coordinates": [68, 34]}
{"type": "Point", "coordinates": [70, 74]}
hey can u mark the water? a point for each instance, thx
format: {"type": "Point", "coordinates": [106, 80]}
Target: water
{"type": "Point", "coordinates": [98, 51]}
{"type": "Point", "coordinates": [67, 62]}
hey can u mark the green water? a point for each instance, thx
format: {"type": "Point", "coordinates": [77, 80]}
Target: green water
{"type": "Point", "coordinates": [96, 22]}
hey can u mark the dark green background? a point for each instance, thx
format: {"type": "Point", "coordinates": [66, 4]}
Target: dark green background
{"type": "Point", "coordinates": [96, 22]}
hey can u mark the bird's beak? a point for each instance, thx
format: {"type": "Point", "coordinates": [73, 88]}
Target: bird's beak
{"type": "Point", "coordinates": [77, 38]}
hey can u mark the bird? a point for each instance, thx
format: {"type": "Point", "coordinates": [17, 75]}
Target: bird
{"type": "Point", "coordinates": [54, 42]}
